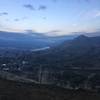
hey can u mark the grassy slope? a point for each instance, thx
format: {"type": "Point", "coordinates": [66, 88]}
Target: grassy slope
{"type": "Point", "coordinates": [10, 90]}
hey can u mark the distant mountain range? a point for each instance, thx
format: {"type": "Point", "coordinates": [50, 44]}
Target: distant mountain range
{"type": "Point", "coordinates": [29, 40]}
{"type": "Point", "coordinates": [65, 51]}
{"type": "Point", "coordinates": [81, 52]}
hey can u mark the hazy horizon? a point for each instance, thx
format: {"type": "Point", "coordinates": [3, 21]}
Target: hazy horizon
{"type": "Point", "coordinates": [50, 17]}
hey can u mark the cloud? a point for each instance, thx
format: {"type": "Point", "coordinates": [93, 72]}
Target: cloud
{"type": "Point", "coordinates": [97, 14]}
{"type": "Point", "coordinates": [44, 18]}
{"type": "Point", "coordinates": [42, 7]}
{"type": "Point", "coordinates": [19, 19]}
{"type": "Point", "coordinates": [54, 0]}
{"type": "Point", "coordinates": [1, 25]}
{"type": "Point", "coordinates": [86, 1]}
{"type": "Point", "coordinates": [3, 13]}
{"type": "Point", "coordinates": [90, 14]}
{"type": "Point", "coordinates": [23, 18]}
{"type": "Point", "coordinates": [29, 31]}
{"type": "Point", "coordinates": [89, 1]}
{"type": "Point", "coordinates": [53, 32]}
{"type": "Point", "coordinates": [33, 33]}
{"type": "Point", "coordinates": [29, 6]}
{"type": "Point", "coordinates": [94, 33]}
{"type": "Point", "coordinates": [94, 14]}
{"type": "Point", "coordinates": [16, 20]}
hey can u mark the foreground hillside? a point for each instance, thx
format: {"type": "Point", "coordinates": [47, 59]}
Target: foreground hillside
{"type": "Point", "coordinates": [10, 90]}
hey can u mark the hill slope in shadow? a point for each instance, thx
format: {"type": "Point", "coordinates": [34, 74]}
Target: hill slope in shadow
{"type": "Point", "coordinates": [10, 90]}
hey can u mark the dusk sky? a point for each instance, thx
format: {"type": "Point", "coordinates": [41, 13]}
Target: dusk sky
{"type": "Point", "coordinates": [51, 17]}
